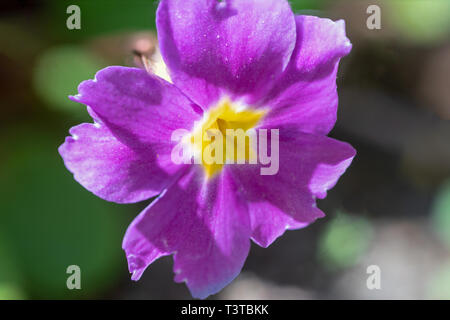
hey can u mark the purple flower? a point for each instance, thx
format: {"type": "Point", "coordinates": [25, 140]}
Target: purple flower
{"type": "Point", "coordinates": [280, 70]}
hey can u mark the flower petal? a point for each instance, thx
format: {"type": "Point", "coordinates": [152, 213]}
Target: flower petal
{"type": "Point", "coordinates": [139, 109]}
{"type": "Point", "coordinates": [109, 168]}
{"type": "Point", "coordinates": [309, 165]}
{"type": "Point", "coordinates": [233, 47]}
{"type": "Point", "coordinates": [126, 155]}
{"type": "Point", "coordinates": [306, 93]}
{"type": "Point", "coordinates": [204, 224]}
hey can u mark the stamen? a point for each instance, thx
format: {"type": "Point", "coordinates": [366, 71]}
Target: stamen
{"type": "Point", "coordinates": [145, 61]}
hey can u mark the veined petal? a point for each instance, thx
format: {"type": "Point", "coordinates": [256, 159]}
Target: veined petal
{"type": "Point", "coordinates": [309, 165]}
{"type": "Point", "coordinates": [110, 169]}
{"type": "Point", "coordinates": [305, 95]}
{"type": "Point", "coordinates": [126, 155]}
{"type": "Point", "coordinates": [232, 47]}
{"type": "Point", "coordinates": [204, 224]}
{"type": "Point", "coordinates": [141, 110]}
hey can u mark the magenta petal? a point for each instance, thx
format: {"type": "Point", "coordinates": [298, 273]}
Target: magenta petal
{"type": "Point", "coordinates": [141, 110]}
{"type": "Point", "coordinates": [126, 155]}
{"type": "Point", "coordinates": [205, 226]}
{"type": "Point", "coordinates": [234, 47]}
{"type": "Point", "coordinates": [305, 95]}
{"type": "Point", "coordinates": [108, 168]}
{"type": "Point", "coordinates": [309, 165]}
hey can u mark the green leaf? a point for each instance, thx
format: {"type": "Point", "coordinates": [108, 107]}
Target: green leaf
{"type": "Point", "coordinates": [50, 222]}
{"type": "Point", "coordinates": [58, 73]}
{"type": "Point", "coordinates": [344, 241]}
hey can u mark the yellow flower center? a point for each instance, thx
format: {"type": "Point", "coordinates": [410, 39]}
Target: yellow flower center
{"type": "Point", "coordinates": [225, 135]}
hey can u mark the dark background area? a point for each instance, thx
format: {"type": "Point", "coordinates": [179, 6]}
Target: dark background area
{"type": "Point", "coordinates": [391, 208]}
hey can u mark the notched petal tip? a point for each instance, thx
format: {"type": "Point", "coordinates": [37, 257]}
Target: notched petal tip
{"type": "Point", "coordinates": [136, 266]}
{"type": "Point", "coordinates": [75, 98]}
{"type": "Point", "coordinates": [102, 75]}
{"type": "Point", "coordinates": [326, 176]}
{"type": "Point", "coordinates": [346, 43]}
{"type": "Point", "coordinates": [321, 41]}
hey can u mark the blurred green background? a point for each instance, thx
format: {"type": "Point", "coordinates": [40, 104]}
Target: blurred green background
{"type": "Point", "coordinates": [391, 208]}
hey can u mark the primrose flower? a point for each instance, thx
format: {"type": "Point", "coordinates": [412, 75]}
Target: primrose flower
{"type": "Point", "coordinates": [234, 64]}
